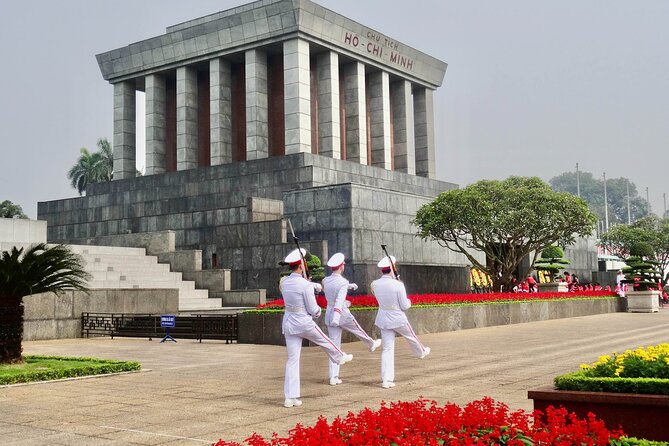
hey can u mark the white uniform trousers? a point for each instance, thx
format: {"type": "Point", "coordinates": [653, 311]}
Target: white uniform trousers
{"type": "Point", "coordinates": [291, 385]}
{"type": "Point", "coordinates": [388, 351]}
{"type": "Point", "coordinates": [335, 334]}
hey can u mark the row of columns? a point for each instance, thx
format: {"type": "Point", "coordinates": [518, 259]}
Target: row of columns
{"type": "Point", "coordinates": [389, 125]}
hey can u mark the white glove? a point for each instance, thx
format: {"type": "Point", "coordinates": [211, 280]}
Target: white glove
{"type": "Point", "coordinates": [352, 286]}
{"type": "Point", "coordinates": [335, 319]}
{"type": "Point", "coordinates": [317, 287]}
{"type": "Point", "coordinates": [348, 304]}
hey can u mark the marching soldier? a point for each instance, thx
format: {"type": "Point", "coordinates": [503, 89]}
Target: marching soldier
{"type": "Point", "coordinates": [300, 309]}
{"type": "Point", "coordinates": [337, 315]}
{"type": "Point", "coordinates": [393, 302]}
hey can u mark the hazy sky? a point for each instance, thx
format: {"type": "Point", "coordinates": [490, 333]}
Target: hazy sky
{"type": "Point", "coordinates": [532, 88]}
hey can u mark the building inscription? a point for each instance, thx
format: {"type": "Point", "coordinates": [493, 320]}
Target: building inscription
{"type": "Point", "coordinates": [379, 46]}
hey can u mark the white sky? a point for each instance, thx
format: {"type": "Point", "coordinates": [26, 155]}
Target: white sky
{"type": "Point", "coordinates": [532, 87]}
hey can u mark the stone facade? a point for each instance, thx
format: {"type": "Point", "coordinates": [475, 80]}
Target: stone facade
{"type": "Point", "coordinates": [237, 212]}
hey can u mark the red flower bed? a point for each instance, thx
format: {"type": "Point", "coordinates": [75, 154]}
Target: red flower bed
{"type": "Point", "coordinates": [423, 422]}
{"type": "Point", "coordinates": [368, 301]}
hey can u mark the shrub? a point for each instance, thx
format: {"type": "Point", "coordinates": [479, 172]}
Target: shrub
{"type": "Point", "coordinates": [423, 422]}
{"type": "Point", "coordinates": [634, 371]}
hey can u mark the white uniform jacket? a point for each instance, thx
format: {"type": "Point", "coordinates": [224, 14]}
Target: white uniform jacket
{"type": "Point", "coordinates": [393, 301]}
{"type": "Point", "coordinates": [300, 305]}
{"type": "Point", "coordinates": [335, 288]}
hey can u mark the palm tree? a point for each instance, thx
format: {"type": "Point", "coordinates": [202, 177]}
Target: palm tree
{"type": "Point", "coordinates": [92, 167]}
{"type": "Point", "coordinates": [40, 269]}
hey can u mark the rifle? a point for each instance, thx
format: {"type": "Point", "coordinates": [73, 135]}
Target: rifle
{"type": "Point", "coordinates": [392, 264]}
{"type": "Point", "coordinates": [297, 243]}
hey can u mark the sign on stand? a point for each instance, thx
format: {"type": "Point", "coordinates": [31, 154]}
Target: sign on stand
{"type": "Point", "coordinates": [168, 322]}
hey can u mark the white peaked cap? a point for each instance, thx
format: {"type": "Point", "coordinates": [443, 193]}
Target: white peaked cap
{"type": "Point", "coordinates": [295, 256]}
{"type": "Point", "coordinates": [336, 260]}
{"type": "Point", "coordinates": [385, 262]}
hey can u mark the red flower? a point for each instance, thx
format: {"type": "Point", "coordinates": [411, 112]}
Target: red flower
{"type": "Point", "coordinates": [423, 422]}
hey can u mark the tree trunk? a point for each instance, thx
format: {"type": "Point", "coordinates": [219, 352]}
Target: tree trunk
{"type": "Point", "coordinates": [11, 329]}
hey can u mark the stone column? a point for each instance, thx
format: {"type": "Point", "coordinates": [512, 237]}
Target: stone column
{"type": "Point", "coordinates": [356, 112]}
{"type": "Point", "coordinates": [297, 95]}
{"type": "Point", "coordinates": [257, 127]}
{"type": "Point", "coordinates": [124, 130]}
{"type": "Point", "coordinates": [379, 112]}
{"type": "Point", "coordinates": [403, 127]}
{"type": "Point", "coordinates": [423, 105]}
{"type": "Point", "coordinates": [155, 124]}
{"type": "Point", "coordinates": [186, 118]}
{"type": "Point", "coordinates": [220, 97]}
{"type": "Point", "coordinates": [329, 130]}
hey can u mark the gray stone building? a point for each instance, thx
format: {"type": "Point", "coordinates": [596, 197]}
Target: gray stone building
{"type": "Point", "coordinates": [272, 110]}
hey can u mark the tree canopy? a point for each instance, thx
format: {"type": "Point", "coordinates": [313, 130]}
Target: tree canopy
{"type": "Point", "coordinates": [11, 210]}
{"type": "Point", "coordinates": [653, 232]}
{"type": "Point", "coordinates": [592, 191]}
{"type": "Point", "coordinates": [92, 167]}
{"type": "Point", "coordinates": [506, 220]}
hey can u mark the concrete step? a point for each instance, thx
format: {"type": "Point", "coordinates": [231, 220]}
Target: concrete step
{"type": "Point", "coordinates": [199, 304]}
{"type": "Point", "coordinates": [178, 285]}
{"type": "Point", "coordinates": [151, 268]}
{"type": "Point", "coordinates": [111, 250]}
{"type": "Point", "coordinates": [119, 259]}
{"type": "Point", "coordinates": [137, 276]}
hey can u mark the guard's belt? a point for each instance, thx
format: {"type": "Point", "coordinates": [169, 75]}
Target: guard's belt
{"type": "Point", "coordinates": [295, 309]}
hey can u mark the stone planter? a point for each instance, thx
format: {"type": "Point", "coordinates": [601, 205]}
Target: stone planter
{"type": "Point", "coordinates": [643, 301]}
{"type": "Point", "coordinates": [641, 416]}
{"type": "Point", "coordinates": [553, 287]}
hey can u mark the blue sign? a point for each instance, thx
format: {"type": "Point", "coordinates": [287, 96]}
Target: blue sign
{"type": "Point", "coordinates": [168, 321]}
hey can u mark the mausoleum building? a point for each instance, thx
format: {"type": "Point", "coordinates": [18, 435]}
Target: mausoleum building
{"type": "Point", "coordinates": [272, 110]}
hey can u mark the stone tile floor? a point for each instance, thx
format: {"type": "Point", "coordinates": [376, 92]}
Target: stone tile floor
{"type": "Point", "coordinates": [191, 393]}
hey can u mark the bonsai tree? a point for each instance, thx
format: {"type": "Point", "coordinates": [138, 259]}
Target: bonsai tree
{"type": "Point", "coordinates": [641, 270]}
{"type": "Point", "coordinates": [40, 269]}
{"type": "Point", "coordinates": [316, 269]}
{"type": "Point", "coordinates": [551, 261]}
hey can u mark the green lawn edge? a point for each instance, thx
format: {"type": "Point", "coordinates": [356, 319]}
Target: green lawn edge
{"type": "Point", "coordinates": [459, 304]}
{"type": "Point", "coordinates": [96, 366]}
{"type": "Point", "coordinates": [579, 382]}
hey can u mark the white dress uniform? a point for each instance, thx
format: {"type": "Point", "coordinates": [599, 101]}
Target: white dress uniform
{"type": "Point", "coordinates": [337, 315]}
{"type": "Point", "coordinates": [393, 302]}
{"type": "Point", "coordinates": [298, 324]}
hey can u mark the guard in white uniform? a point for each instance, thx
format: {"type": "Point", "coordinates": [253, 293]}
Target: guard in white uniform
{"type": "Point", "coordinates": [337, 315]}
{"type": "Point", "coordinates": [300, 309]}
{"type": "Point", "coordinates": [393, 302]}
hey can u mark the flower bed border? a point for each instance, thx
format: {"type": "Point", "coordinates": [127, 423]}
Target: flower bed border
{"type": "Point", "coordinates": [264, 327]}
{"type": "Point", "coordinates": [642, 416]}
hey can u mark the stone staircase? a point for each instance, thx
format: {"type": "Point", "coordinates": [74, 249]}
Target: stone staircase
{"type": "Point", "coordinates": [120, 267]}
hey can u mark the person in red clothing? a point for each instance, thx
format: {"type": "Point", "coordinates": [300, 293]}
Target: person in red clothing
{"type": "Point", "coordinates": [532, 284]}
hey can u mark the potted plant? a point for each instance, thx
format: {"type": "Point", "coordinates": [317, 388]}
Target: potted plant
{"type": "Point", "coordinates": [629, 389]}
{"type": "Point", "coordinates": [548, 266]}
{"type": "Point", "coordinates": [642, 276]}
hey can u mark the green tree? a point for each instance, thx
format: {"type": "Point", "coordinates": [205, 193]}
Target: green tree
{"type": "Point", "coordinates": [652, 231]}
{"type": "Point", "coordinates": [92, 167]}
{"type": "Point", "coordinates": [551, 261]}
{"type": "Point", "coordinates": [11, 210]}
{"type": "Point", "coordinates": [40, 269]}
{"type": "Point", "coordinates": [592, 191]}
{"type": "Point", "coordinates": [506, 220]}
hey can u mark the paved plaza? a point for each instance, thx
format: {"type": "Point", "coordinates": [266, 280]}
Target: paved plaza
{"type": "Point", "coordinates": [190, 393]}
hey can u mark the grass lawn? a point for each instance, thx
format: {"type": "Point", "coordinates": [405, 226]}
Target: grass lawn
{"type": "Point", "coordinates": [46, 368]}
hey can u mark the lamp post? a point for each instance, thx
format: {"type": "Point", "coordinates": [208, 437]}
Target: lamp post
{"type": "Point", "coordinates": [647, 201]}
{"type": "Point", "coordinates": [629, 210]}
{"type": "Point", "coordinates": [606, 207]}
{"type": "Point", "coordinates": [578, 182]}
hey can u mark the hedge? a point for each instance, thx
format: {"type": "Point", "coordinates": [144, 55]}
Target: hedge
{"type": "Point", "coordinates": [577, 381]}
